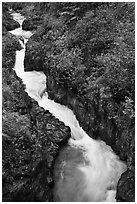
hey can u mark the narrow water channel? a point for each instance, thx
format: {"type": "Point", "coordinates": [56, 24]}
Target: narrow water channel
{"type": "Point", "coordinates": [86, 170]}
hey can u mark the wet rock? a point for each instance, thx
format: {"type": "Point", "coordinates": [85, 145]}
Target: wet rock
{"type": "Point", "coordinates": [11, 25]}
{"type": "Point", "coordinates": [7, 20]}
{"type": "Point", "coordinates": [32, 23]}
{"type": "Point", "coordinates": [8, 23]}
{"type": "Point", "coordinates": [29, 61]}
{"type": "Point", "coordinates": [28, 25]}
{"type": "Point", "coordinates": [126, 187]}
{"type": "Point", "coordinates": [10, 44]}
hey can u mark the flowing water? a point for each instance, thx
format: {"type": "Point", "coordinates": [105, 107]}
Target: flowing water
{"type": "Point", "coordinates": [86, 169]}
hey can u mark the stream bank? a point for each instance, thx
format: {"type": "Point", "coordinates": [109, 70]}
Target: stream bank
{"type": "Point", "coordinates": [64, 97]}
{"type": "Point", "coordinates": [97, 126]}
{"type": "Point", "coordinates": [101, 113]}
{"type": "Point", "coordinates": [31, 136]}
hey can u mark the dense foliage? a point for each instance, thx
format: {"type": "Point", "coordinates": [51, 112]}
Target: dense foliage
{"type": "Point", "coordinates": [87, 52]}
{"type": "Point", "coordinates": [99, 48]}
{"type": "Point", "coordinates": [94, 58]}
{"type": "Point", "coordinates": [86, 49]}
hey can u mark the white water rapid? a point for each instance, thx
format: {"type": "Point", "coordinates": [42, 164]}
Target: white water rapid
{"type": "Point", "coordinates": [95, 177]}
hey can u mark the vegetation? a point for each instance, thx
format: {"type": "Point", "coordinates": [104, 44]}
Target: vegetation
{"type": "Point", "coordinates": [87, 52]}
{"type": "Point", "coordinates": [31, 137]}
{"type": "Point", "coordinates": [7, 21]}
{"type": "Point", "coordinates": [98, 49]}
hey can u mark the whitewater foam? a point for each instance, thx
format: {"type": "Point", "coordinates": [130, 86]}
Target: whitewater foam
{"type": "Point", "coordinates": [99, 174]}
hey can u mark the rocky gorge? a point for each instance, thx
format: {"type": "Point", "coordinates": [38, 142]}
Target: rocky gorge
{"type": "Point", "coordinates": [100, 113]}
{"type": "Point", "coordinates": [97, 124]}
{"type": "Point", "coordinates": [31, 136]}
{"type": "Point", "coordinates": [97, 112]}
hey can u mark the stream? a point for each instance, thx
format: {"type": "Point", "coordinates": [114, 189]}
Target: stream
{"type": "Point", "coordinates": [86, 170]}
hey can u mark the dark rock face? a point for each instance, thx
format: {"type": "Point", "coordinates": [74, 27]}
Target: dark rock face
{"type": "Point", "coordinates": [29, 62]}
{"type": "Point", "coordinates": [126, 187]}
{"type": "Point", "coordinates": [7, 20]}
{"type": "Point", "coordinates": [11, 25]}
{"type": "Point", "coordinates": [32, 23]}
{"type": "Point", "coordinates": [8, 23]}
{"type": "Point", "coordinates": [28, 25]}
{"type": "Point", "coordinates": [9, 45]}
{"type": "Point", "coordinates": [31, 140]}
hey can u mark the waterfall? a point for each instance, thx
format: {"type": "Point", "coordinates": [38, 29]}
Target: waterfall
{"type": "Point", "coordinates": [91, 177]}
